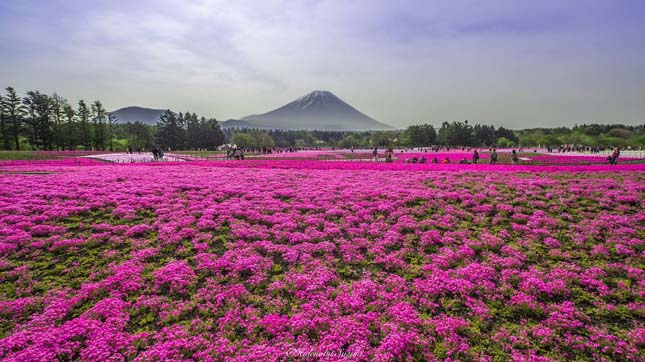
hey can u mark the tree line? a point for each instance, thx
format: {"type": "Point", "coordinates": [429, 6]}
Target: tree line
{"type": "Point", "coordinates": [423, 135]}
{"type": "Point", "coordinates": [597, 135]}
{"type": "Point", "coordinates": [37, 121]}
{"type": "Point", "coordinates": [44, 122]}
{"type": "Point", "coordinates": [458, 134]}
{"type": "Point", "coordinates": [452, 134]}
{"type": "Point", "coordinates": [183, 131]}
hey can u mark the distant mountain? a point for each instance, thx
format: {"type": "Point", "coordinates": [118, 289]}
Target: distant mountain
{"type": "Point", "coordinates": [320, 110]}
{"type": "Point", "coordinates": [132, 114]}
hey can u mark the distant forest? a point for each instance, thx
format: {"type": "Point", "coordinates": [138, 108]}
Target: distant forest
{"type": "Point", "coordinates": [37, 121]}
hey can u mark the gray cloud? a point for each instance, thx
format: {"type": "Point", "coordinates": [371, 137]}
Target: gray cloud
{"type": "Point", "coordinates": [511, 63]}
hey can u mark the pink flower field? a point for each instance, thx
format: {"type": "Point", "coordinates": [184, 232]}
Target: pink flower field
{"type": "Point", "coordinates": [312, 260]}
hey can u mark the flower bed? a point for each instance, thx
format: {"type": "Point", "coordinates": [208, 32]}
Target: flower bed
{"type": "Point", "coordinates": [250, 262]}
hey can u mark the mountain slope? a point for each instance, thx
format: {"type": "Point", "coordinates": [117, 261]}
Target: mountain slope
{"type": "Point", "coordinates": [133, 114]}
{"type": "Point", "coordinates": [320, 110]}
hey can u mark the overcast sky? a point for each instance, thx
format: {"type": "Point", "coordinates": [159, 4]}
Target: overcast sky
{"type": "Point", "coordinates": [514, 63]}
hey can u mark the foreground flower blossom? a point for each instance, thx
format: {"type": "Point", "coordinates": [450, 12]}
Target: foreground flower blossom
{"type": "Point", "coordinates": [259, 260]}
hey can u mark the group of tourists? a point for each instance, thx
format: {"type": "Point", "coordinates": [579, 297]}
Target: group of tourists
{"type": "Point", "coordinates": [389, 154]}
{"type": "Point", "coordinates": [270, 150]}
{"type": "Point", "coordinates": [475, 158]}
{"type": "Point", "coordinates": [579, 149]}
{"type": "Point", "coordinates": [414, 159]}
{"type": "Point", "coordinates": [575, 148]}
{"type": "Point", "coordinates": [157, 154]}
{"type": "Point", "coordinates": [235, 153]}
{"type": "Point", "coordinates": [494, 157]}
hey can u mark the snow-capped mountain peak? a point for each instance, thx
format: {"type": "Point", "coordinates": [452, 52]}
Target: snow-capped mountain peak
{"type": "Point", "coordinates": [319, 109]}
{"type": "Point", "coordinates": [317, 96]}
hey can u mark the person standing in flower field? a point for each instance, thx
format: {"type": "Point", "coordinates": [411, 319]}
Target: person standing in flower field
{"type": "Point", "coordinates": [493, 157]}
{"type": "Point", "coordinates": [388, 154]}
{"type": "Point", "coordinates": [475, 157]}
{"type": "Point", "coordinates": [513, 157]}
{"type": "Point", "coordinates": [375, 153]}
{"type": "Point", "coordinates": [614, 156]}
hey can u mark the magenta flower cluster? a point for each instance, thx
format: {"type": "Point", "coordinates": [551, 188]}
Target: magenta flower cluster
{"type": "Point", "coordinates": [381, 262]}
